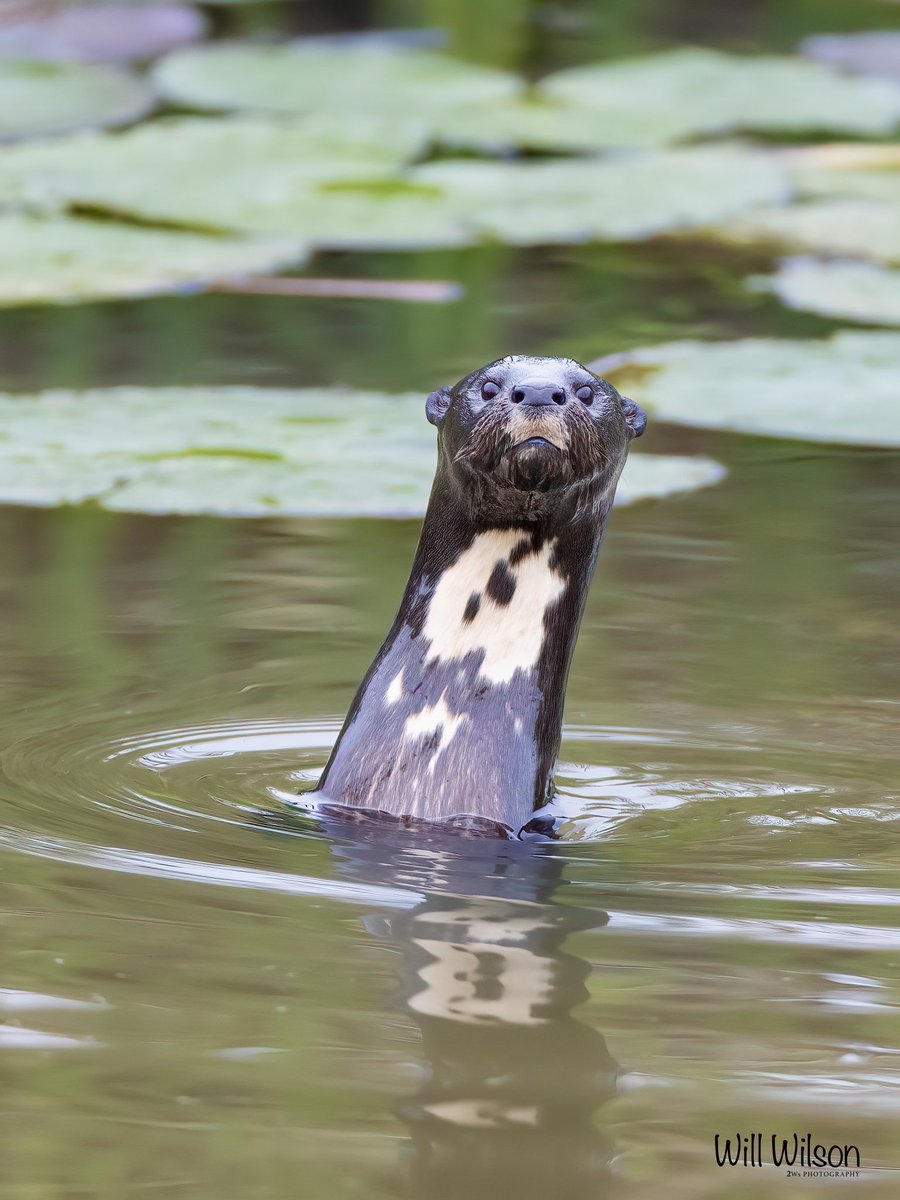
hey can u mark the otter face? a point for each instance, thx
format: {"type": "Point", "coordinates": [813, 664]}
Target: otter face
{"type": "Point", "coordinates": [525, 426]}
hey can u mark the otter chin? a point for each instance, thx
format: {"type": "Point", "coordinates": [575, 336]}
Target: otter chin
{"type": "Point", "coordinates": [459, 718]}
{"type": "Point", "coordinates": [536, 464]}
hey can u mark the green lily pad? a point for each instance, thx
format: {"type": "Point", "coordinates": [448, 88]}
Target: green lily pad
{"type": "Point", "coordinates": [50, 98]}
{"type": "Point", "coordinates": [252, 174]}
{"type": "Point", "coordinates": [843, 389]}
{"type": "Point", "coordinates": [867, 172]}
{"type": "Point", "coordinates": [246, 452]}
{"type": "Point", "coordinates": [621, 199]}
{"type": "Point", "coordinates": [390, 215]}
{"type": "Point", "coordinates": [685, 92]}
{"type": "Point", "coordinates": [337, 182]}
{"type": "Point", "coordinates": [65, 258]}
{"type": "Point", "coordinates": [656, 476]}
{"type": "Point", "coordinates": [853, 228]}
{"type": "Point", "coordinates": [858, 291]}
{"type": "Point", "coordinates": [861, 185]}
{"type": "Point", "coordinates": [318, 77]}
{"type": "Point", "coordinates": [551, 124]}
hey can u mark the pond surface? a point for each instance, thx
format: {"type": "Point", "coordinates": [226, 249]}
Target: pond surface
{"type": "Point", "coordinates": [209, 995]}
{"type": "Point", "coordinates": [213, 997]}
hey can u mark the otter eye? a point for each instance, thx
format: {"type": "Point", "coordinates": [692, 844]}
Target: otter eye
{"type": "Point", "coordinates": [489, 389]}
{"type": "Point", "coordinates": [585, 393]}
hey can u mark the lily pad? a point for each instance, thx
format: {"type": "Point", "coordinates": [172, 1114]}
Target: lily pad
{"type": "Point", "coordinates": [852, 228]}
{"type": "Point", "coordinates": [389, 215]}
{"type": "Point", "coordinates": [845, 156]}
{"type": "Point", "coordinates": [858, 291]}
{"type": "Point", "coordinates": [551, 124]}
{"type": "Point", "coordinates": [668, 97]}
{"type": "Point", "coordinates": [246, 452]}
{"type": "Point", "coordinates": [252, 174]}
{"type": "Point", "coordinates": [843, 389]}
{"type": "Point", "coordinates": [104, 33]}
{"type": "Point", "coordinates": [622, 199]}
{"type": "Point", "coordinates": [692, 91]}
{"type": "Point", "coordinates": [861, 185]}
{"type": "Point", "coordinates": [337, 182]}
{"type": "Point", "coordinates": [66, 258]}
{"type": "Point", "coordinates": [868, 172]}
{"type": "Point", "coordinates": [49, 98]}
{"type": "Point", "coordinates": [318, 77]}
{"type": "Point", "coordinates": [655, 476]}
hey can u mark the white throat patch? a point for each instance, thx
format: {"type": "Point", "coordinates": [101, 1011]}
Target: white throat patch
{"type": "Point", "coordinates": [486, 603]}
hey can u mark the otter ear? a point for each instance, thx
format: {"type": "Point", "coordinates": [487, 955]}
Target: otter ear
{"type": "Point", "coordinates": [635, 417]}
{"type": "Point", "coordinates": [436, 405]}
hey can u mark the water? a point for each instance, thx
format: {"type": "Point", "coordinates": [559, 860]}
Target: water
{"type": "Point", "coordinates": [212, 996]}
{"type": "Point", "coordinates": [209, 994]}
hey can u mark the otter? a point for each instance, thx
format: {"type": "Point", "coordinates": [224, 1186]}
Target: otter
{"type": "Point", "coordinates": [458, 720]}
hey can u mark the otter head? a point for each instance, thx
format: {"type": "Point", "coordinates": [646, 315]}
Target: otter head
{"type": "Point", "coordinates": [533, 438]}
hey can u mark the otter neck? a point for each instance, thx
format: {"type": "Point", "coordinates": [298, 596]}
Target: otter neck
{"type": "Point", "coordinates": [461, 711]}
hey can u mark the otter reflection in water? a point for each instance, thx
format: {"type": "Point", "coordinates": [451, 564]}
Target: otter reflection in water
{"type": "Point", "coordinates": [514, 1080]}
{"type": "Point", "coordinates": [460, 714]}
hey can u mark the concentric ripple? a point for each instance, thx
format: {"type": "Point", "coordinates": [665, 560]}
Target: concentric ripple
{"type": "Point", "coordinates": [145, 802]}
{"type": "Point", "coordinates": [176, 778]}
{"type": "Point", "coordinates": [120, 804]}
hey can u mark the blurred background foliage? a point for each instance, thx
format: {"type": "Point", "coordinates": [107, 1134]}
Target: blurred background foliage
{"type": "Point", "coordinates": [578, 179]}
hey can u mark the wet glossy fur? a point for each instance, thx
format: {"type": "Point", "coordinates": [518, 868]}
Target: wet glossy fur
{"type": "Point", "coordinates": [460, 714]}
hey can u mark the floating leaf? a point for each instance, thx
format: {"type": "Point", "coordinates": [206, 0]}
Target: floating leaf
{"type": "Point", "coordinates": [66, 258]}
{"type": "Point", "coordinates": [655, 476]}
{"type": "Point", "coordinates": [621, 199]}
{"type": "Point", "coordinates": [643, 102]}
{"type": "Point", "coordinates": [860, 185]}
{"type": "Point", "coordinates": [44, 98]}
{"type": "Point", "coordinates": [104, 33]}
{"type": "Point", "coordinates": [392, 215]}
{"type": "Point", "coordinates": [840, 390]}
{"type": "Point", "coordinates": [548, 123]}
{"type": "Point", "coordinates": [858, 291]}
{"type": "Point", "coordinates": [854, 228]}
{"type": "Point", "coordinates": [868, 53]}
{"type": "Point", "coordinates": [252, 174]}
{"type": "Point", "coordinates": [317, 76]}
{"type": "Point", "coordinates": [868, 172]}
{"type": "Point", "coordinates": [247, 452]}
{"type": "Point", "coordinates": [845, 156]}
{"type": "Point", "coordinates": [690, 91]}
{"type": "Point", "coordinates": [330, 182]}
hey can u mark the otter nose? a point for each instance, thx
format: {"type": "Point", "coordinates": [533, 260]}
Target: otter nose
{"type": "Point", "coordinates": [538, 395]}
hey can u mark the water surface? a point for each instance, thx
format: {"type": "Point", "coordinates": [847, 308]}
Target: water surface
{"type": "Point", "coordinates": [212, 996]}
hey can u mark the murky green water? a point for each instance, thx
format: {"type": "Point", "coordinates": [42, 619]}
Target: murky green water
{"type": "Point", "coordinates": [214, 999]}
{"type": "Point", "coordinates": [209, 996]}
